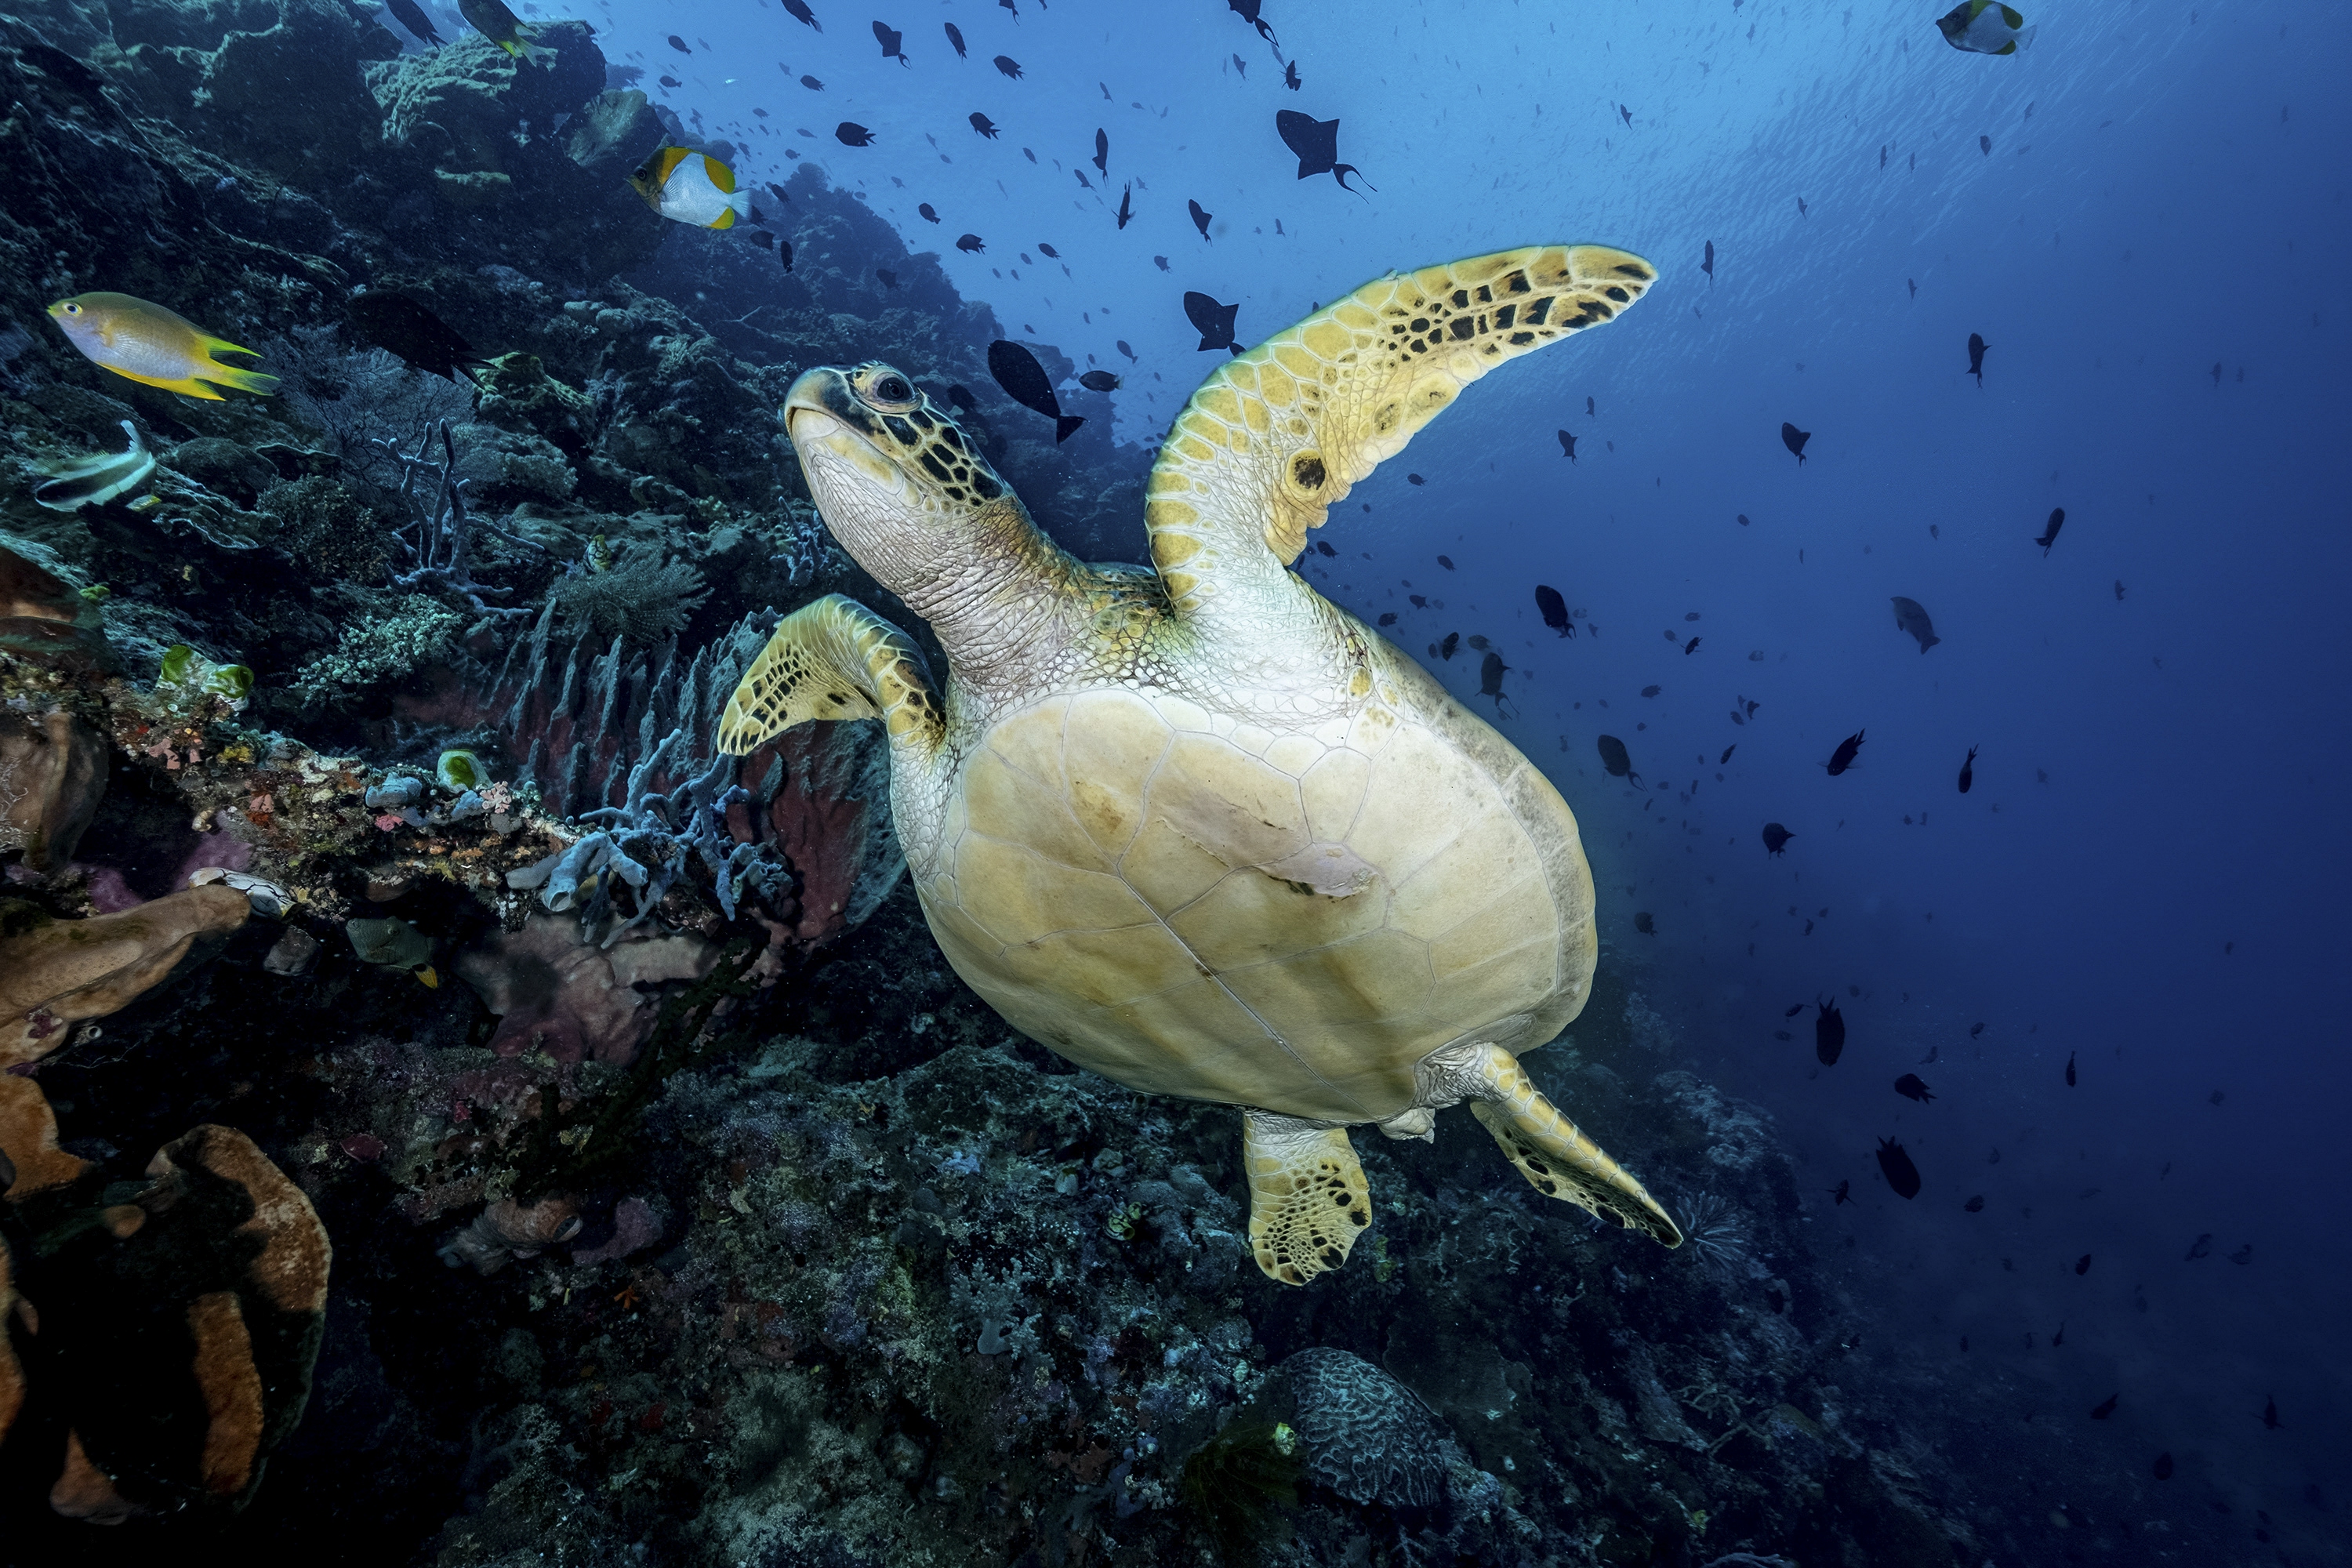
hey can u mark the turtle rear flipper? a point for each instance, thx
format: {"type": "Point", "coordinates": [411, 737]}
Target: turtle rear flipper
{"type": "Point", "coordinates": [831, 659]}
{"type": "Point", "coordinates": [1308, 1198]}
{"type": "Point", "coordinates": [1550, 1151]}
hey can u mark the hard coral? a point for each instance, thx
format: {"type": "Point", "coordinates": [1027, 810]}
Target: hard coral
{"type": "Point", "coordinates": [57, 972]}
{"type": "Point", "coordinates": [507, 1231]}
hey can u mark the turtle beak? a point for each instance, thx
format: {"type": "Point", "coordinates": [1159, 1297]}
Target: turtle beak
{"type": "Point", "coordinates": [827, 426]}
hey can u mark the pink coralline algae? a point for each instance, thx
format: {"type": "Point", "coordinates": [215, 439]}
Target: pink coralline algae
{"type": "Point", "coordinates": [557, 993]}
{"type": "Point", "coordinates": [635, 1228]}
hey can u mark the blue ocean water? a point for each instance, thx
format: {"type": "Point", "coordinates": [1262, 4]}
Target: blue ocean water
{"type": "Point", "coordinates": [2144, 214]}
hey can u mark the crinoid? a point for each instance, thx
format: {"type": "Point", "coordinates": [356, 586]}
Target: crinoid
{"type": "Point", "coordinates": [1718, 1239]}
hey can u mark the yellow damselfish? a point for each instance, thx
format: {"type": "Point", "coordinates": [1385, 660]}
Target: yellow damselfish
{"type": "Point", "coordinates": [148, 343]}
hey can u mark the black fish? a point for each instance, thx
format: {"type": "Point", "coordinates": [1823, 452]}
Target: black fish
{"type": "Point", "coordinates": [1567, 446]}
{"type": "Point", "coordinates": [1743, 520]}
{"type": "Point", "coordinates": [1975, 1204]}
{"type": "Point", "coordinates": [1554, 610]}
{"type": "Point", "coordinates": [1691, 647]}
{"type": "Point", "coordinates": [1975, 1029]}
{"type": "Point", "coordinates": [1044, 249]}
{"type": "Point", "coordinates": [2119, 589]}
{"type": "Point", "coordinates": [1480, 642]}
{"type": "Point", "coordinates": [814, 85]}
{"type": "Point", "coordinates": [1643, 924]}
{"type": "Point", "coordinates": [1910, 1088]}
{"type": "Point", "coordinates": [2049, 529]}
{"type": "Point", "coordinates": [929, 215]}
{"type": "Point", "coordinates": [1247, 10]}
{"type": "Point", "coordinates": [889, 279]}
{"type": "Point", "coordinates": [1102, 151]}
{"type": "Point", "coordinates": [1388, 618]}
{"type": "Point", "coordinates": [1323, 545]}
{"type": "Point", "coordinates": [1414, 479]}
{"type": "Point", "coordinates": [1317, 143]}
{"type": "Point", "coordinates": [1842, 1192]}
{"type": "Point", "coordinates": [1843, 758]}
{"type": "Point", "coordinates": [1708, 265]}
{"type": "Point", "coordinates": [1453, 640]}
{"type": "Point", "coordinates": [1829, 1036]}
{"type": "Point", "coordinates": [1213, 321]}
{"type": "Point", "coordinates": [1290, 76]}
{"type": "Point", "coordinates": [1016, 369]}
{"type": "Point", "coordinates": [1911, 616]}
{"type": "Point", "coordinates": [1793, 1011]}
{"type": "Point", "coordinates": [1802, 211]}
{"type": "Point", "coordinates": [1727, 754]}
{"type": "Point", "coordinates": [1901, 1174]}
{"type": "Point", "coordinates": [982, 123]}
{"type": "Point", "coordinates": [667, 80]}
{"type": "Point", "coordinates": [680, 44]}
{"type": "Point", "coordinates": [2243, 1256]}
{"type": "Point", "coordinates": [955, 38]}
{"type": "Point", "coordinates": [2269, 1413]}
{"type": "Point", "coordinates": [392, 320]}
{"type": "Point", "coordinates": [1160, 262]}
{"type": "Point", "coordinates": [2070, 1069]}
{"type": "Point", "coordinates": [1968, 777]}
{"type": "Point", "coordinates": [849, 133]}
{"type": "Point", "coordinates": [1200, 216]}
{"type": "Point", "coordinates": [960, 396]}
{"type": "Point", "coordinates": [1241, 68]}
{"type": "Point", "coordinates": [2059, 1338]}
{"type": "Point", "coordinates": [1490, 680]}
{"type": "Point", "coordinates": [2164, 1466]}
{"type": "Point", "coordinates": [1776, 837]}
{"type": "Point", "coordinates": [413, 17]}
{"type": "Point", "coordinates": [1122, 346]}
{"type": "Point", "coordinates": [2104, 1407]}
{"type": "Point", "coordinates": [784, 253]}
{"type": "Point", "coordinates": [1126, 206]}
{"type": "Point", "coordinates": [1984, 144]}
{"type": "Point", "coordinates": [2201, 1247]}
{"type": "Point", "coordinates": [1795, 439]}
{"type": "Point", "coordinates": [798, 10]}
{"type": "Point", "coordinates": [1009, 66]}
{"type": "Point", "coordinates": [1099, 381]}
{"type": "Point", "coordinates": [1977, 347]}
{"type": "Point", "coordinates": [1614, 760]}
{"type": "Point", "coordinates": [970, 243]}
{"type": "Point", "coordinates": [2082, 1265]}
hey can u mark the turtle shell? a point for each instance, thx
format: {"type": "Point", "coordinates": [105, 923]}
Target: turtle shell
{"type": "Point", "coordinates": [1194, 899]}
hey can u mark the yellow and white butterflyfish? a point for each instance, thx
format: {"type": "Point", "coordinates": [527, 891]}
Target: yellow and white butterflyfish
{"type": "Point", "coordinates": [1984, 28]}
{"type": "Point", "coordinates": [685, 186]}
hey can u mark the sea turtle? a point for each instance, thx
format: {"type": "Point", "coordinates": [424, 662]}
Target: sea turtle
{"type": "Point", "coordinates": [1195, 827]}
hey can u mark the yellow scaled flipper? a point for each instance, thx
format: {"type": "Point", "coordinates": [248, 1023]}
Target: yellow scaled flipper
{"type": "Point", "coordinates": [144, 342]}
{"type": "Point", "coordinates": [1308, 1198]}
{"type": "Point", "coordinates": [1552, 1152]}
{"type": "Point", "coordinates": [833, 658]}
{"type": "Point", "coordinates": [1273, 439]}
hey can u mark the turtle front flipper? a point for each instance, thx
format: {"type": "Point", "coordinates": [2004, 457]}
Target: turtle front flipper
{"type": "Point", "coordinates": [1556, 1158]}
{"type": "Point", "coordinates": [1273, 439]}
{"type": "Point", "coordinates": [832, 659]}
{"type": "Point", "coordinates": [1308, 1199]}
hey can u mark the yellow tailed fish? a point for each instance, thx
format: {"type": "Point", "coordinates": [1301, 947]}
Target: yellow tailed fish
{"type": "Point", "coordinates": [153, 346]}
{"type": "Point", "coordinates": [501, 26]}
{"type": "Point", "coordinates": [1984, 28]}
{"type": "Point", "coordinates": [690, 187]}
{"type": "Point", "coordinates": [94, 480]}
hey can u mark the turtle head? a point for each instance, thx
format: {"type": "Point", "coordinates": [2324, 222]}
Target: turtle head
{"type": "Point", "coordinates": [902, 487]}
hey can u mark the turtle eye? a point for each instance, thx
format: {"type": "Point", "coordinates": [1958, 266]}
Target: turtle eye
{"type": "Point", "coordinates": [888, 392]}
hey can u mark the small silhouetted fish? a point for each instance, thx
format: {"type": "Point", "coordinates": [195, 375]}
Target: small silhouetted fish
{"type": "Point", "coordinates": [961, 398]}
{"type": "Point", "coordinates": [1975, 1029]}
{"type": "Point", "coordinates": [2049, 529]}
{"type": "Point", "coordinates": [2083, 1264]}
{"type": "Point", "coordinates": [1099, 381]}
{"type": "Point", "coordinates": [2243, 1256]}
{"type": "Point", "coordinates": [1708, 265]}
{"type": "Point", "coordinates": [1911, 617]}
{"type": "Point", "coordinates": [2104, 1407]}
{"type": "Point", "coordinates": [1651, 690]}
{"type": "Point", "coordinates": [1102, 151]}
{"type": "Point", "coordinates": [1009, 66]}
{"type": "Point", "coordinates": [1795, 439]}
{"type": "Point", "coordinates": [1776, 837]}
{"type": "Point", "coordinates": [1317, 144]}
{"type": "Point", "coordinates": [1842, 1192]}
{"type": "Point", "coordinates": [413, 17]}
{"type": "Point", "coordinates": [1247, 10]}
{"type": "Point", "coordinates": [1614, 760]}
{"type": "Point", "coordinates": [1975, 1204]}
{"type": "Point", "coordinates": [2119, 589]}
{"type": "Point", "coordinates": [1290, 76]}
{"type": "Point", "coordinates": [1910, 1088]}
{"type": "Point", "coordinates": [982, 123]}
{"type": "Point", "coordinates": [1567, 446]}
{"type": "Point", "coordinates": [1446, 561]}
{"type": "Point", "coordinates": [1126, 211]}
{"type": "Point", "coordinates": [1968, 777]}
{"type": "Point", "coordinates": [849, 133]}
{"type": "Point", "coordinates": [1453, 640]}
{"type": "Point", "coordinates": [1044, 249]}
{"type": "Point", "coordinates": [1985, 143]}
{"type": "Point", "coordinates": [2058, 1340]}
{"type": "Point", "coordinates": [889, 279]}
{"type": "Point", "coordinates": [1783, 1034]}
{"type": "Point", "coordinates": [2201, 1247]}
{"type": "Point", "coordinates": [1901, 1174]}
{"type": "Point", "coordinates": [1490, 680]}
{"type": "Point", "coordinates": [1322, 545]}
{"type": "Point", "coordinates": [814, 85]}
{"type": "Point", "coordinates": [929, 215]}
{"type": "Point", "coordinates": [798, 10]}
{"type": "Point", "coordinates": [1977, 346]}
{"type": "Point", "coordinates": [892, 42]}
{"type": "Point", "coordinates": [1414, 479]}
{"type": "Point", "coordinates": [1122, 346]}
{"type": "Point", "coordinates": [2070, 1069]}
{"type": "Point", "coordinates": [1793, 1011]}
{"type": "Point", "coordinates": [2164, 1466]}
{"type": "Point", "coordinates": [1829, 1036]}
{"type": "Point", "coordinates": [1645, 924]}
{"type": "Point", "coordinates": [1554, 610]}
{"type": "Point", "coordinates": [1016, 369]}
{"type": "Point", "coordinates": [1727, 754]}
{"type": "Point", "coordinates": [970, 243]}
{"type": "Point", "coordinates": [1200, 216]}
{"type": "Point", "coordinates": [667, 80]}
{"type": "Point", "coordinates": [1691, 647]}
{"type": "Point", "coordinates": [1213, 321]}
{"type": "Point", "coordinates": [680, 44]}
{"type": "Point", "coordinates": [1160, 262]}
{"type": "Point", "coordinates": [1843, 758]}
{"type": "Point", "coordinates": [387, 318]}
{"type": "Point", "coordinates": [955, 38]}
{"type": "Point", "coordinates": [1803, 210]}
{"type": "Point", "coordinates": [1743, 520]}
{"type": "Point", "coordinates": [2217, 375]}
{"type": "Point", "coordinates": [783, 252]}
{"type": "Point", "coordinates": [2269, 1413]}
{"type": "Point", "coordinates": [1388, 618]}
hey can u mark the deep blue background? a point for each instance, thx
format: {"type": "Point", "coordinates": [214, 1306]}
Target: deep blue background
{"type": "Point", "coordinates": [2158, 778]}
